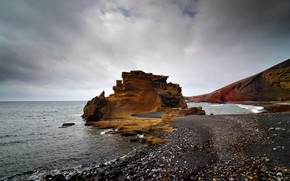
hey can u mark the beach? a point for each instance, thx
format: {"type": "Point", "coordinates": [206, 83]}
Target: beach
{"type": "Point", "coordinates": [213, 147]}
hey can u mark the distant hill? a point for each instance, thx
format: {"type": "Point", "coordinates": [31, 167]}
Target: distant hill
{"type": "Point", "coordinates": [272, 84]}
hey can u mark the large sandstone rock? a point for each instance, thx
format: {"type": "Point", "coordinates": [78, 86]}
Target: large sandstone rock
{"type": "Point", "coordinates": [272, 84]}
{"type": "Point", "coordinates": [138, 92]}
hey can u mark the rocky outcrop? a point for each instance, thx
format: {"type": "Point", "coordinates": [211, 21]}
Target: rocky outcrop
{"type": "Point", "coordinates": [138, 92]}
{"type": "Point", "coordinates": [272, 84]}
{"type": "Point", "coordinates": [96, 108]}
{"type": "Point", "coordinates": [65, 125]}
{"type": "Point", "coordinates": [277, 108]}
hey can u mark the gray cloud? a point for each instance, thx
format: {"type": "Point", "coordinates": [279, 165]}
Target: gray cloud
{"type": "Point", "coordinates": [239, 38]}
{"type": "Point", "coordinates": [75, 49]}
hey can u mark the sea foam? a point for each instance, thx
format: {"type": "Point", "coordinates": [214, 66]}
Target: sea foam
{"type": "Point", "coordinates": [106, 131]}
{"type": "Point", "coordinates": [252, 108]}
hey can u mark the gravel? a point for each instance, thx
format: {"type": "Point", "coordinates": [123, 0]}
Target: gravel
{"type": "Point", "coordinates": [232, 147]}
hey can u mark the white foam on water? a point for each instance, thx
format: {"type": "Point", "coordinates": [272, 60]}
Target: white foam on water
{"type": "Point", "coordinates": [106, 131]}
{"type": "Point", "coordinates": [229, 108]}
{"type": "Point", "coordinates": [215, 105]}
{"type": "Point", "coordinates": [140, 135]}
{"type": "Point", "coordinates": [252, 108]}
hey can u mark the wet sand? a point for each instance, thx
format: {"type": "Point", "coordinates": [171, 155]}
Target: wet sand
{"type": "Point", "coordinates": [222, 147]}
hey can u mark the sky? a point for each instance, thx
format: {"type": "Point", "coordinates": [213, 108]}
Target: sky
{"type": "Point", "coordinates": [74, 49]}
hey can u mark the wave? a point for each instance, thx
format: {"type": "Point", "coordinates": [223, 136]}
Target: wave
{"type": "Point", "coordinates": [252, 108]}
{"type": "Point", "coordinates": [229, 108]}
{"type": "Point", "coordinates": [106, 131]}
{"type": "Point", "coordinates": [8, 136]}
{"type": "Point", "coordinates": [12, 142]}
{"type": "Point", "coordinates": [215, 105]}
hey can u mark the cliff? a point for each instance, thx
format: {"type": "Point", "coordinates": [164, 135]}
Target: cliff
{"type": "Point", "coordinates": [137, 92]}
{"type": "Point", "coordinates": [272, 84]}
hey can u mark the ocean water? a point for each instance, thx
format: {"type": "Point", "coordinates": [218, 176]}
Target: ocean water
{"type": "Point", "coordinates": [230, 108]}
{"type": "Point", "coordinates": [32, 145]}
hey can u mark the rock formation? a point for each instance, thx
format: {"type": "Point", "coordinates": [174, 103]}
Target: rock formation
{"type": "Point", "coordinates": [65, 125]}
{"type": "Point", "coordinates": [96, 108]}
{"type": "Point", "coordinates": [138, 92]}
{"type": "Point", "coordinates": [272, 84]}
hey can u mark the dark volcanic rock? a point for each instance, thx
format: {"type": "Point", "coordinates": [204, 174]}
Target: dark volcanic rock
{"type": "Point", "coordinates": [194, 111]}
{"type": "Point", "coordinates": [59, 177]}
{"type": "Point", "coordinates": [96, 108]}
{"type": "Point", "coordinates": [277, 108]}
{"type": "Point", "coordinates": [65, 125]}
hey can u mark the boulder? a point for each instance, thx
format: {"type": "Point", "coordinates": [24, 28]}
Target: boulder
{"type": "Point", "coordinates": [137, 93]}
{"type": "Point", "coordinates": [194, 111]}
{"type": "Point", "coordinates": [277, 108]}
{"type": "Point", "coordinates": [96, 108]}
{"type": "Point", "coordinates": [65, 125]}
{"type": "Point", "coordinates": [58, 177]}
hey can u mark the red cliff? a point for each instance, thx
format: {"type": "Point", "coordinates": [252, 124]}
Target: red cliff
{"type": "Point", "coordinates": [272, 84]}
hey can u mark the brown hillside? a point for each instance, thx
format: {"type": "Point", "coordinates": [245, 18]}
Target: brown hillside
{"type": "Point", "coordinates": [272, 84]}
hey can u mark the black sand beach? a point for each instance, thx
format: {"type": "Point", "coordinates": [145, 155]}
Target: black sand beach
{"type": "Point", "coordinates": [224, 147]}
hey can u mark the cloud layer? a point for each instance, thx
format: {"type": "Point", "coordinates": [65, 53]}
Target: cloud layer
{"type": "Point", "coordinates": [72, 49]}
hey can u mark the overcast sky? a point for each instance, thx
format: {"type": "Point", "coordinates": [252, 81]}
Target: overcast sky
{"type": "Point", "coordinates": [74, 49]}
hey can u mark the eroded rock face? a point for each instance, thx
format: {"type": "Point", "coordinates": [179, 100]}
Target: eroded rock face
{"type": "Point", "coordinates": [137, 92]}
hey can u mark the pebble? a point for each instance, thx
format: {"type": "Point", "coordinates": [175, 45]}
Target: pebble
{"type": "Point", "coordinates": [210, 154]}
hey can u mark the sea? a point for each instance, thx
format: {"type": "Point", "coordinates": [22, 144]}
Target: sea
{"type": "Point", "coordinates": [33, 144]}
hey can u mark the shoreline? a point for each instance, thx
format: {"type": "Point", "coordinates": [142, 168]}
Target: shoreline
{"type": "Point", "coordinates": [252, 146]}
